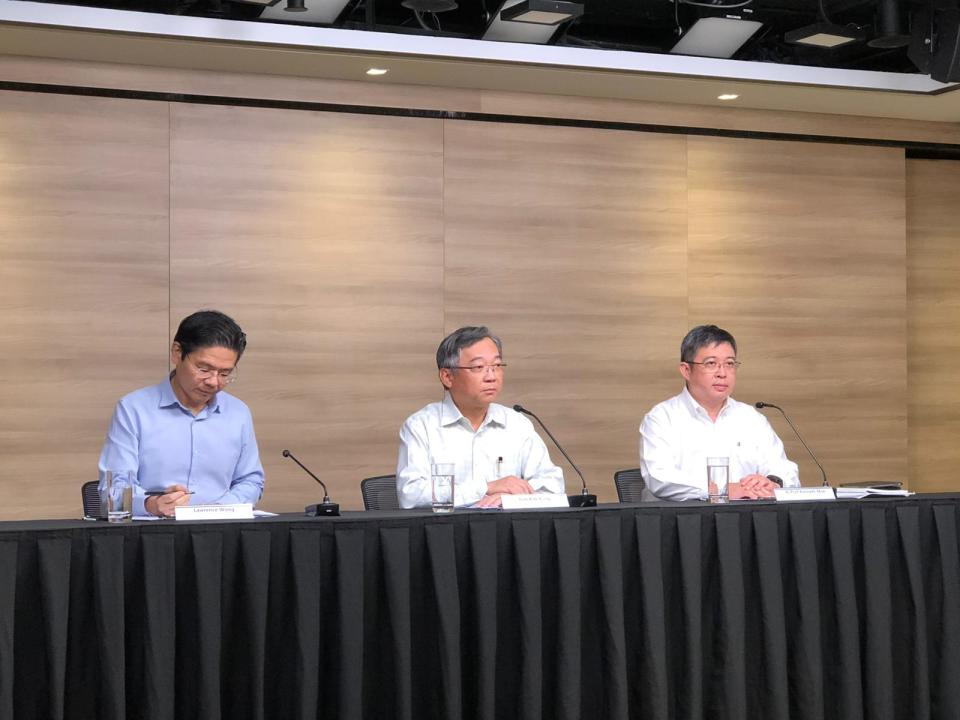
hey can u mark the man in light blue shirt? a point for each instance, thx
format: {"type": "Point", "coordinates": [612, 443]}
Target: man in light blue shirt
{"type": "Point", "coordinates": [184, 440]}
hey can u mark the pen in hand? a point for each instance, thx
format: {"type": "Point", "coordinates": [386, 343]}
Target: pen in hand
{"type": "Point", "coordinates": [158, 493]}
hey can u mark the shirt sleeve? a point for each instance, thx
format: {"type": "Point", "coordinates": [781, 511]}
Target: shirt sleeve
{"type": "Point", "coordinates": [121, 454]}
{"type": "Point", "coordinates": [660, 461]}
{"type": "Point", "coordinates": [413, 466]}
{"type": "Point", "coordinates": [247, 483]}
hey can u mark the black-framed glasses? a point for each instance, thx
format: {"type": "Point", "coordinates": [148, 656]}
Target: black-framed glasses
{"type": "Point", "coordinates": [712, 365]}
{"type": "Point", "coordinates": [481, 369]}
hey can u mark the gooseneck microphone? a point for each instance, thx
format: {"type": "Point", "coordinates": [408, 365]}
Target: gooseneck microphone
{"type": "Point", "coordinates": [584, 499]}
{"type": "Point", "coordinates": [326, 507]}
{"type": "Point", "coordinates": [761, 405]}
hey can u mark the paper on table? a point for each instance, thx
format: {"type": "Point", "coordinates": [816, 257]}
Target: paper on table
{"type": "Point", "coordinates": [855, 493]}
{"type": "Point", "coordinates": [256, 513]}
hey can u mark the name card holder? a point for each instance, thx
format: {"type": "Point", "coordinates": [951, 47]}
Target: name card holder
{"type": "Point", "coordinates": [238, 511]}
{"type": "Point", "coordinates": [804, 494]}
{"type": "Point", "coordinates": [535, 501]}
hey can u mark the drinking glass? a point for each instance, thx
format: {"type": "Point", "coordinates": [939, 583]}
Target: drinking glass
{"type": "Point", "coordinates": [718, 479]}
{"type": "Point", "coordinates": [119, 496]}
{"type": "Point", "coordinates": [442, 478]}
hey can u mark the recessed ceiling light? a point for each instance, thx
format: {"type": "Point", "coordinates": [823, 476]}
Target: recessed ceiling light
{"type": "Point", "coordinates": [727, 96]}
{"type": "Point", "coordinates": [377, 71]}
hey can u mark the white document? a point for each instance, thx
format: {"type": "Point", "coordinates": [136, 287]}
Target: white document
{"type": "Point", "coordinates": [534, 501]}
{"type": "Point", "coordinates": [855, 493]}
{"type": "Point", "coordinates": [238, 511]}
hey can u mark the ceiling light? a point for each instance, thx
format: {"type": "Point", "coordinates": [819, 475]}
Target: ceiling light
{"type": "Point", "coordinates": [542, 12]}
{"type": "Point", "coordinates": [824, 35]}
{"type": "Point", "coordinates": [377, 71]}
{"type": "Point", "coordinates": [727, 96]}
{"type": "Point", "coordinates": [295, 6]}
{"type": "Point", "coordinates": [716, 37]}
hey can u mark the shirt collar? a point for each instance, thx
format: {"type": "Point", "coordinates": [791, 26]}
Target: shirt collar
{"type": "Point", "coordinates": [168, 398]}
{"type": "Point", "coordinates": [696, 408]}
{"type": "Point", "coordinates": [450, 414]}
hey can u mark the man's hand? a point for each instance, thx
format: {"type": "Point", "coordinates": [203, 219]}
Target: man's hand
{"type": "Point", "coordinates": [489, 501]}
{"type": "Point", "coordinates": [165, 505]}
{"type": "Point", "coordinates": [509, 485]}
{"type": "Point", "coordinates": [752, 487]}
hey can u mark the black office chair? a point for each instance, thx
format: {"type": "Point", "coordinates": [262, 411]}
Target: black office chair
{"type": "Point", "coordinates": [380, 493]}
{"type": "Point", "coordinates": [629, 485]}
{"type": "Point", "coordinates": [90, 494]}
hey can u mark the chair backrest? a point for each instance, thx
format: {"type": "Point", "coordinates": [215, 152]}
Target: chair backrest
{"type": "Point", "coordinates": [380, 493]}
{"type": "Point", "coordinates": [90, 494]}
{"type": "Point", "coordinates": [629, 484]}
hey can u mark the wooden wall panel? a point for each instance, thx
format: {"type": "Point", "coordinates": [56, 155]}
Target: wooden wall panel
{"type": "Point", "coordinates": [321, 234]}
{"type": "Point", "coordinates": [83, 284]}
{"type": "Point", "coordinates": [933, 310]}
{"type": "Point", "coordinates": [347, 245]}
{"type": "Point", "coordinates": [799, 250]}
{"type": "Point", "coordinates": [571, 246]}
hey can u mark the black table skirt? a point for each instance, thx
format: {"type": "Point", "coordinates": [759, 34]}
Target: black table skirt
{"type": "Point", "coordinates": [840, 610]}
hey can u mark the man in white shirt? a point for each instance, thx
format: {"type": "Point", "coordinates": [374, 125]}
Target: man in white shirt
{"type": "Point", "coordinates": [495, 449]}
{"type": "Point", "coordinates": [678, 435]}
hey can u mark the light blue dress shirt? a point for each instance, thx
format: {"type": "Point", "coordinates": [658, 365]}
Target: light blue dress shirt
{"type": "Point", "coordinates": [214, 453]}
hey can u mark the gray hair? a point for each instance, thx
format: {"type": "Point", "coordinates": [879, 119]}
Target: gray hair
{"type": "Point", "coordinates": [448, 354]}
{"type": "Point", "coordinates": [704, 336]}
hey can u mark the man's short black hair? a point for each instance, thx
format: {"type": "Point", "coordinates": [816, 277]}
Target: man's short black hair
{"type": "Point", "coordinates": [448, 354]}
{"type": "Point", "coordinates": [209, 328]}
{"type": "Point", "coordinates": [704, 336]}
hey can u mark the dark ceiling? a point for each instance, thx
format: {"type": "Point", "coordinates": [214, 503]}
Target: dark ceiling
{"type": "Point", "coordinates": [634, 25]}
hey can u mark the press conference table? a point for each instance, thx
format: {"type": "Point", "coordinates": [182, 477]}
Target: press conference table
{"type": "Point", "coordinates": [849, 609]}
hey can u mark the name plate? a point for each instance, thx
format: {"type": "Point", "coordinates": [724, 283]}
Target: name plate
{"type": "Point", "coordinates": [534, 501]}
{"type": "Point", "coordinates": [238, 511]}
{"type": "Point", "coordinates": [804, 494]}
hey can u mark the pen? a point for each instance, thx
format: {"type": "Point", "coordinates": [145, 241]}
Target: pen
{"type": "Point", "coordinates": [499, 465]}
{"type": "Point", "coordinates": [158, 493]}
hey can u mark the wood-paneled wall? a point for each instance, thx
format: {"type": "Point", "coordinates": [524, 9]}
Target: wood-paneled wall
{"type": "Point", "coordinates": [933, 284]}
{"type": "Point", "coordinates": [84, 295]}
{"type": "Point", "coordinates": [800, 250]}
{"type": "Point", "coordinates": [325, 243]}
{"type": "Point", "coordinates": [347, 245]}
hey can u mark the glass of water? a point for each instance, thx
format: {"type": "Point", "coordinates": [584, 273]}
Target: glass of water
{"type": "Point", "coordinates": [119, 496]}
{"type": "Point", "coordinates": [442, 478]}
{"type": "Point", "coordinates": [718, 479]}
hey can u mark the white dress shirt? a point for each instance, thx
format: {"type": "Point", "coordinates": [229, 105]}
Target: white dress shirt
{"type": "Point", "coordinates": [677, 436]}
{"type": "Point", "coordinates": [504, 444]}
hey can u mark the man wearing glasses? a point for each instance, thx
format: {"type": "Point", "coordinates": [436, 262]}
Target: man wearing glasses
{"type": "Point", "coordinates": [495, 449]}
{"type": "Point", "coordinates": [184, 440]}
{"type": "Point", "coordinates": [703, 421]}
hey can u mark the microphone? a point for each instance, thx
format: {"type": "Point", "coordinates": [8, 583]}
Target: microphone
{"type": "Point", "coordinates": [322, 508]}
{"type": "Point", "coordinates": [584, 499]}
{"type": "Point", "coordinates": [761, 405]}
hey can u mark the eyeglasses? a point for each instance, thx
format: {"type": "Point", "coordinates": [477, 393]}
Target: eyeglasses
{"type": "Point", "coordinates": [712, 365]}
{"type": "Point", "coordinates": [225, 377]}
{"type": "Point", "coordinates": [481, 369]}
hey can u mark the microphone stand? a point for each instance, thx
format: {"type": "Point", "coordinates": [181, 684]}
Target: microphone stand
{"type": "Point", "coordinates": [585, 498]}
{"type": "Point", "coordinates": [323, 508]}
{"type": "Point", "coordinates": [761, 405]}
